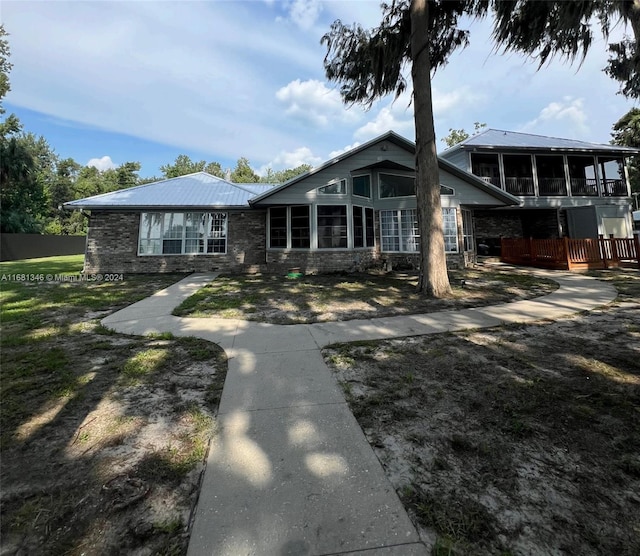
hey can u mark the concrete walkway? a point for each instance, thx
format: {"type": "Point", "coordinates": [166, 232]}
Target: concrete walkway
{"type": "Point", "coordinates": [290, 471]}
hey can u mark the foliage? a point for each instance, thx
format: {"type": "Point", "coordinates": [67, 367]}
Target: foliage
{"type": "Point", "coordinates": [458, 135]}
{"type": "Point", "coordinates": [626, 132]}
{"type": "Point", "coordinates": [243, 173]}
{"type": "Point", "coordinates": [283, 176]}
{"type": "Point", "coordinates": [183, 165]}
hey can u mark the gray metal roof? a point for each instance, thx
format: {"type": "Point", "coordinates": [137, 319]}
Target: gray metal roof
{"type": "Point", "coordinates": [199, 190]}
{"type": "Point", "coordinates": [497, 138]}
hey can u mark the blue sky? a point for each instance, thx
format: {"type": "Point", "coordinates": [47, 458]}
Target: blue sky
{"type": "Point", "coordinates": [111, 82]}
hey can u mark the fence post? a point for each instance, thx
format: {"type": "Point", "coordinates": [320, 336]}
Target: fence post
{"type": "Point", "coordinates": [532, 253]}
{"type": "Point", "coordinates": [615, 260]}
{"type": "Point", "coordinates": [636, 243]}
{"type": "Point", "coordinates": [567, 255]}
{"type": "Point", "coordinates": [603, 251]}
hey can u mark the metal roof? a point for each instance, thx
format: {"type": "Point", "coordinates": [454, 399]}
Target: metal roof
{"type": "Point", "coordinates": [497, 138]}
{"type": "Point", "coordinates": [199, 190]}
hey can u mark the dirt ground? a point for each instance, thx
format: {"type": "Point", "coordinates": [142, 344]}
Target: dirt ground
{"type": "Point", "coordinates": [104, 436]}
{"type": "Point", "coordinates": [515, 440]}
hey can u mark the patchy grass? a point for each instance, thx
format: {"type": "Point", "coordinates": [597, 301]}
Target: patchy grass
{"type": "Point", "coordinates": [350, 296]}
{"type": "Point", "coordinates": [513, 440]}
{"type": "Point", "coordinates": [103, 435]}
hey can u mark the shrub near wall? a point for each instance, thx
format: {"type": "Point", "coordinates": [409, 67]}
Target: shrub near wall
{"type": "Point", "coordinates": [15, 247]}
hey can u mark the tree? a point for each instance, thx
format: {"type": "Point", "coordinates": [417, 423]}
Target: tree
{"type": "Point", "coordinates": [282, 176]}
{"type": "Point", "coordinates": [458, 135]}
{"type": "Point", "coordinates": [127, 174]}
{"type": "Point", "coordinates": [243, 173]}
{"type": "Point", "coordinates": [183, 165]}
{"type": "Point", "coordinates": [369, 65]}
{"type": "Point", "coordinates": [11, 124]}
{"type": "Point", "coordinates": [626, 132]}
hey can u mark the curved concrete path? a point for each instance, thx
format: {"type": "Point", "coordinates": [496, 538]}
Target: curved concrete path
{"type": "Point", "coordinates": [290, 471]}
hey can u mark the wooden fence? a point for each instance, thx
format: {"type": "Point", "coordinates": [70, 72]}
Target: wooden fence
{"type": "Point", "coordinates": [572, 254]}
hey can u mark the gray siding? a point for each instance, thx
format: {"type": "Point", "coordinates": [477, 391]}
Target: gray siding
{"type": "Point", "coordinates": [459, 158]}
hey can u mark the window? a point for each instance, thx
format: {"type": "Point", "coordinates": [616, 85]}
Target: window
{"type": "Point", "coordinates": [362, 186]}
{"type": "Point", "coordinates": [338, 187]}
{"type": "Point", "coordinates": [363, 233]}
{"type": "Point", "coordinates": [518, 174]}
{"type": "Point", "coordinates": [614, 181]}
{"type": "Point", "coordinates": [399, 230]}
{"type": "Point", "coordinates": [177, 233]}
{"type": "Point", "coordinates": [467, 230]}
{"type": "Point", "coordinates": [582, 175]}
{"type": "Point", "coordinates": [289, 227]}
{"type": "Point", "coordinates": [396, 186]}
{"type": "Point", "coordinates": [332, 226]}
{"type": "Point", "coordinates": [450, 230]}
{"type": "Point", "coordinates": [447, 191]}
{"type": "Point", "coordinates": [278, 227]}
{"type": "Point", "coordinates": [487, 167]}
{"type": "Point", "coordinates": [300, 228]}
{"type": "Point", "coordinates": [550, 170]}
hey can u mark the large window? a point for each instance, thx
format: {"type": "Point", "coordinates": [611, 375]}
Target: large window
{"type": "Point", "coordinates": [487, 167]}
{"type": "Point", "coordinates": [332, 226]}
{"type": "Point", "coordinates": [289, 227]}
{"type": "Point", "coordinates": [392, 185]}
{"type": "Point", "coordinates": [362, 186]}
{"type": "Point", "coordinates": [399, 230]}
{"type": "Point", "coordinates": [177, 233]}
{"type": "Point", "coordinates": [550, 170]}
{"type": "Point", "coordinates": [582, 175]}
{"type": "Point", "coordinates": [363, 227]}
{"type": "Point", "coordinates": [518, 174]}
{"type": "Point", "coordinates": [614, 182]}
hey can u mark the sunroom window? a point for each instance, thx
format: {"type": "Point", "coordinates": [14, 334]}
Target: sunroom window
{"type": "Point", "coordinates": [362, 186]}
{"type": "Point", "coordinates": [289, 227]}
{"type": "Point", "coordinates": [399, 230]}
{"type": "Point", "coordinates": [178, 233]}
{"type": "Point", "coordinates": [338, 187]}
{"type": "Point", "coordinates": [392, 185]}
{"type": "Point", "coordinates": [363, 227]}
{"type": "Point", "coordinates": [332, 226]}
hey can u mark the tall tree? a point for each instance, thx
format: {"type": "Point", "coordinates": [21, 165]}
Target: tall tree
{"type": "Point", "coordinates": [626, 132]}
{"type": "Point", "coordinates": [458, 135]}
{"type": "Point", "coordinates": [282, 176]}
{"type": "Point", "coordinates": [183, 165]}
{"type": "Point", "coordinates": [127, 174]}
{"type": "Point", "coordinates": [243, 173]}
{"type": "Point", "coordinates": [369, 65]}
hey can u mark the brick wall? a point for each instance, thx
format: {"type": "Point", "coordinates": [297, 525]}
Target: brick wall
{"type": "Point", "coordinates": [112, 246]}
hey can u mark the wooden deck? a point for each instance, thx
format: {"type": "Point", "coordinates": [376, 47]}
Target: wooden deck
{"type": "Point", "coordinates": [572, 254]}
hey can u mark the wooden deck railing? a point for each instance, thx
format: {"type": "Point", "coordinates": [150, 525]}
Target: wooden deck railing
{"type": "Point", "coordinates": [570, 254]}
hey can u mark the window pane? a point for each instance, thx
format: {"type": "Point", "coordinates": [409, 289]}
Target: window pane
{"type": "Point", "coordinates": [582, 175]}
{"type": "Point", "coordinates": [550, 170]}
{"type": "Point", "coordinates": [336, 188]}
{"type": "Point", "coordinates": [172, 246]}
{"type": "Point", "coordinates": [150, 246]}
{"type": "Point", "coordinates": [368, 215]}
{"type": "Point", "coordinates": [518, 174]}
{"type": "Point", "coordinates": [173, 225]}
{"type": "Point", "coordinates": [362, 186]}
{"type": "Point", "coordinates": [410, 234]}
{"type": "Point", "coordinates": [614, 182]}
{"type": "Point", "coordinates": [278, 227]}
{"type": "Point", "coordinates": [151, 225]}
{"type": "Point", "coordinates": [467, 230]}
{"type": "Point", "coordinates": [332, 226]}
{"type": "Point", "coordinates": [300, 228]}
{"type": "Point", "coordinates": [217, 232]}
{"type": "Point", "coordinates": [396, 186]}
{"type": "Point", "coordinates": [389, 230]}
{"type": "Point", "coordinates": [358, 227]}
{"type": "Point", "coordinates": [487, 167]}
{"type": "Point", "coordinates": [450, 230]}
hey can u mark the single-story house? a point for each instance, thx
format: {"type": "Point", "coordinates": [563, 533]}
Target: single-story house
{"type": "Point", "coordinates": [565, 187]}
{"type": "Point", "coordinates": [352, 211]}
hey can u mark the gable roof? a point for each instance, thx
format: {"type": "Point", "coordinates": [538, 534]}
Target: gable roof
{"type": "Point", "coordinates": [198, 190]}
{"type": "Point", "coordinates": [500, 139]}
{"type": "Point", "coordinates": [409, 146]}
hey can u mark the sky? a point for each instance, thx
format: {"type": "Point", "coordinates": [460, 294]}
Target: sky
{"type": "Point", "coordinates": [108, 82]}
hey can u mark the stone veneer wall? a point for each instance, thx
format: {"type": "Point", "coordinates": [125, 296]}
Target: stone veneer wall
{"type": "Point", "coordinates": [112, 246]}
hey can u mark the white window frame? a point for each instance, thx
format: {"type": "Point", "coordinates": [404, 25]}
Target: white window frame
{"type": "Point", "coordinates": [218, 220]}
{"type": "Point", "coordinates": [365, 235]}
{"type": "Point", "coordinates": [380, 174]}
{"type": "Point", "coordinates": [343, 186]}
{"type": "Point", "coordinates": [289, 228]}
{"type": "Point", "coordinates": [353, 190]}
{"type": "Point", "coordinates": [410, 235]}
{"type": "Point", "coordinates": [468, 242]}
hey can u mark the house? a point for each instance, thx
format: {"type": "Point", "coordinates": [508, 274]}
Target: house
{"type": "Point", "coordinates": [353, 211]}
{"type": "Point", "coordinates": [565, 187]}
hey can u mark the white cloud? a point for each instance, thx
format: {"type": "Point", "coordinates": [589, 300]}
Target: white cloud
{"type": "Point", "coordinates": [291, 159]}
{"type": "Point", "coordinates": [305, 13]}
{"type": "Point", "coordinates": [333, 154]}
{"type": "Point", "coordinates": [397, 116]}
{"type": "Point", "coordinates": [102, 164]}
{"type": "Point", "coordinates": [312, 101]}
{"type": "Point", "coordinates": [568, 116]}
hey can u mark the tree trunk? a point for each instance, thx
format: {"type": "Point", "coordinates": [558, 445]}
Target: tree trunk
{"type": "Point", "coordinates": [434, 280]}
